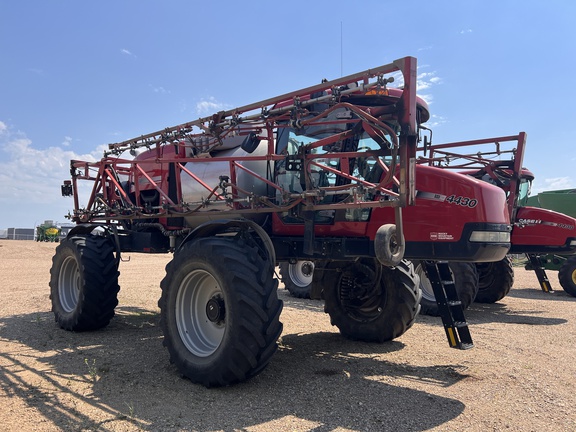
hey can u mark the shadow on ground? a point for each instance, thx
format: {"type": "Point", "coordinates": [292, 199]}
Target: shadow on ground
{"type": "Point", "coordinates": [123, 373]}
{"type": "Point", "coordinates": [537, 294]}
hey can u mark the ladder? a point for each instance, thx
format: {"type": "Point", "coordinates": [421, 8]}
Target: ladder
{"type": "Point", "coordinates": [450, 306]}
{"type": "Point", "coordinates": [536, 265]}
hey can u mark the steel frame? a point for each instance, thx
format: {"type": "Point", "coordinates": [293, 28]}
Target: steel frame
{"type": "Point", "coordinates": [444, 156]}
{"type": "Point", "coordinates": [109, 202]}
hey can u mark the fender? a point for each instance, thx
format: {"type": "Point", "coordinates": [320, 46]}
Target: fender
{"type": "Point", "coordinates": [85, 229]}
{"type": "Point", "coordinates": [220, 226]}
{"type": "Point", "coordinates": [109, 231]}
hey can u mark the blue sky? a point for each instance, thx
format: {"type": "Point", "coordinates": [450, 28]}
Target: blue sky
{"type": "Point", "coordinates": [75, 76]}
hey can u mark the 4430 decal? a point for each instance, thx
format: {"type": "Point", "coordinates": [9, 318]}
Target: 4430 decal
{"type": "Point", "coordinates": [463, 201]}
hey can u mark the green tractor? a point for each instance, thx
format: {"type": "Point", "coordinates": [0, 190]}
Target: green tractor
{"type": "Point", "coordinates": [48, 233]}
{"type": "Point", "coordinates": [562, 201]}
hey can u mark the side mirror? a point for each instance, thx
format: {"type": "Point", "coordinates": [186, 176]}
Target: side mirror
{"type": "Point", "coordinates": [250, 142]}
{"type": "Point", "coordinates": [67, 188]}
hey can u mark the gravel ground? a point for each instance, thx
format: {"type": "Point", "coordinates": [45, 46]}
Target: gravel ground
{"type": "Point", "coordinates": [519, 377]}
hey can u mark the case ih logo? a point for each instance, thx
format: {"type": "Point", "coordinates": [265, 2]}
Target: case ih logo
{"type": "Point", "coordinates": [525, 222]}
{"type": "Point", "coordinates": [529, 221]}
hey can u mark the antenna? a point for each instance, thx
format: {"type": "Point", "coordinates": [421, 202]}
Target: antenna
{"type": "Point", "coordinates": [341, 53]}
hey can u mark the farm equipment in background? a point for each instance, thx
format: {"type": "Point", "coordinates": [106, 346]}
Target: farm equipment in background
{"type": "Point", "coordinates": [325, 174]}
{"type": "Point", "coordinates": [535, 231]}
{"type": "Point", "coordinates": [48, 232]}
{"type": "Point", "coordinates": [562, 201]}
{"type": "Point", "coordinates": [297, 276]}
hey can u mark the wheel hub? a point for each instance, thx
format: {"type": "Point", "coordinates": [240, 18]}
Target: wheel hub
{"type": "Point", "coordinates": [301, 273]}
{"type": "Point", "coordinates": [215, 309]}
{"type": "Point", "coordinates": [360, 292]}
{"type": "Point", "coordinates": [308, 269]}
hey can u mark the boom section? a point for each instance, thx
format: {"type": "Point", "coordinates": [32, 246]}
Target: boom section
{"type": "Point", "coordinates": [496, 160]}
{"type": "Point", "coordinates": [163, 174]}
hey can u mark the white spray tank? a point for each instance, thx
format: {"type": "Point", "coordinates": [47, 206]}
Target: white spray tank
{"type": "Point", "coordinates": [210, 173]}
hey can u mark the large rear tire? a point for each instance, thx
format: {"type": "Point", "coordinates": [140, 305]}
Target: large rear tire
{"type": "Point", "coordinates": [84, 283]}
{"type": "Point", "coordinates": [372, 303]}
{"type": "Point", "coordinates": [220, 311]}
{"type": "Point", "coordinates": [465, 279]}
{"type": "Point", "coordinates": [297, 277]}
{"type": "Point", "coordinates": [495, 280]}
{"type": "Point", "coordinates": [567, 276]}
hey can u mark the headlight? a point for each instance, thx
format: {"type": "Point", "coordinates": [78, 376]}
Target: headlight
{"type": "Point", "coordinates": [490, 236]}
{"type": "Point", "coordinates": [573, 243]}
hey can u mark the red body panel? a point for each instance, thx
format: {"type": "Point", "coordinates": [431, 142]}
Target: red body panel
{"type": "Point", "coordinates": [445, 202]}
{"type": "Point", "coordinates": [434, 218]}
{"type": "Point", "coordinates": [540, 227]}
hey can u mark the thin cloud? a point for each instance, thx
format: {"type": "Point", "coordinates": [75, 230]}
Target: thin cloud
{"type": "Point", "coordinates": [210, 106]}
{"type": "Point", "coordinates": [553, 183]}
{"type": "Point", "coordinates": [466, 31]}
{"type": "Point", "coordinates": [436, 121]}
{"type": "Point", "coordinates": [428, 98]}
{"type": "Point", "coordinates": [426, 80]}
{"type": "Point", "coordinates": [159, 89]}
{"type": "Point", "coordinates": [67, 141]}
{"type": "Point", "coordinates": [560, 182]}
{"type": "Point", "coordinates": [128, 53]}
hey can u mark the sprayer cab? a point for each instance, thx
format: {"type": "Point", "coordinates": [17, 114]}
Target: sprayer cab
{"type": "Point", "coordinates": [455, 217]}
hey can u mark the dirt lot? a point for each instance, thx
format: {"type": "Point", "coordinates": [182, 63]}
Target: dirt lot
{"type": "Point", "coordinates": [520, 376]}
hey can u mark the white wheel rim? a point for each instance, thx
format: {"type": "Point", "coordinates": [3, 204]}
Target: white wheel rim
{"type": "Point", "coordinates": [201, 335]}
{"type": "Point", "coordinates": [425, 285]}
{"type": "Point", "coordinates": [69, 284]}
{"type": "Point", "coordinates": [301, 273]}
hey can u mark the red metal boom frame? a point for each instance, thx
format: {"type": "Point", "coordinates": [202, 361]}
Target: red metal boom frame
{"type": "Point", "coordinates": [109, 201]}
{"type": "Point", "coordinates": [444, 156]}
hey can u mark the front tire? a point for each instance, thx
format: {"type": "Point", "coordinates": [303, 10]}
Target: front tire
{"type": "Point", "coordinates": [372, 303]}
{"type": "Point", "coordinates": [220, 311]}
{"type": "Point", "coordinates": [567, 276]}
{"type": "Point", "coordinates": [297, 277]}
{"type": "Point", "coordinates": [465, 280]}
{"type": "Point", "coordinates": [84, 283]}
{"type": "Point", "coordinates": [495, 280]}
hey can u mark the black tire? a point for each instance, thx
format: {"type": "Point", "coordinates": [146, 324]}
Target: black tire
{"type": "Point", "coordinates": [567, 276]}
{"type": "Point", "coordinates": [372, 303]}
{"type": "Point", "coordinates": [84, 283]}
{"type": "Point", "coordinates": [465, 280]}
{"type": "Point", "coordinates": [495, 280]}
{"type": "Point", "coordinates": [297, 277]}
{"type": "Point", "coordinates": [220, 311]}
{"type": "Point", "coordinates": [389, 250]}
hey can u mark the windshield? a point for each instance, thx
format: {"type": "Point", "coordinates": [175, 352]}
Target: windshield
{"type": "Point", "coordinates": [330, 168]}
{"type": "Point", "coordinates": [363, 167]}
{"type": "Point", "coordinates": [524, 191]}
